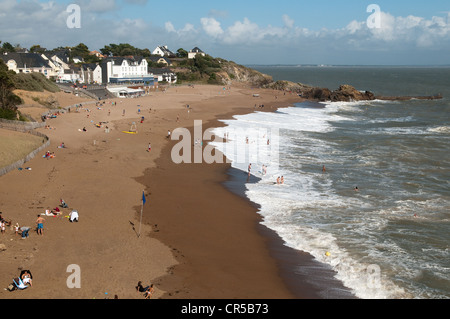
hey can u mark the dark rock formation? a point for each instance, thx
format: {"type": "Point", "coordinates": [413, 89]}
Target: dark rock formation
{"type": "Point", "coordinates": [345, 93]}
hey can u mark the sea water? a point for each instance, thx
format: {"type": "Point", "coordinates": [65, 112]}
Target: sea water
{"type": "Point", "coordinates": [389, 239]}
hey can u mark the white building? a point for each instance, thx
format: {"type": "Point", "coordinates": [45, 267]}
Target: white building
{"type": "Point", "coordinates": [163, 75]}
{"type": "Point", "coordinates": [70, 75]}
{"type": "Point", "coordinates": [194, 52]}
{"type": "Point", "coordinates": [27, 63]}
{"type": "Point", "coordinates": [97, 74]}
{"type": "Point", "coordinates": [126, 70]}
{"type": "Point", "coordinates": [126, 92]}
{"type": "Point", "coordinates": [163, 51]}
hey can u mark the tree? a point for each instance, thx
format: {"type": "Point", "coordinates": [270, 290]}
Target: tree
{"type": "Point", "coordinates": [182, 53]}
{"type": "Point", "coordinates": [37, 49]}
{"type": "Point", "coordinates": [8, 100]}
{"type": "Point", "coordinates": [8, 47]}
{"type": "Point", "coordinates": [106, 50]}
{"type": "Point", "coordinates": [80, 50]}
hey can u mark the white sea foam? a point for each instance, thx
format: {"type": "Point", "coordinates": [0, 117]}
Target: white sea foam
{"type": "Point", "coordinates": [440, 129]}
{"type": "Point", "coordinates": [280, 204]}
{"type": "Point", "coordinates": [308, 211]}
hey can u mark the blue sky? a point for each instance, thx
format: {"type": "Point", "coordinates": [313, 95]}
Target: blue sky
{"type": "Point", "coordinates": [245, 31]}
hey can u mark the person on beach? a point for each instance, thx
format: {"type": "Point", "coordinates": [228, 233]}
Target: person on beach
{"type": "Point", "coordinates": [25, 231]}
{"type": "Point", "coordinates": [278, 180]}
{"type": "Point", "coordinates": [63, 203]}
{"type": "Point", "coordinates": [149, 147]}
{"type": "Point", "coordinates": [282, 180]}
{"type": "Point", "coordinates": [249, 168]}
{"type": "Point", "coordinates": [323, 169]}
{"type": "Point", "coordinates": [16, 228]}
{"type": "Point", "coordinates": [140, 287]}
{"type": "Point", "coordinates": [149, 292]}
{"type": "Point", "coordinates": [2, 226]}
{"type": "Point", "coordinates": [26, 278]}
{"type": "Point", "coordinates": [40, 225]}
{"type": "Point", "coordinates": [73, 216]}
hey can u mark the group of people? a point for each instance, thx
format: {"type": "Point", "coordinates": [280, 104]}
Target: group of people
{"type": "Point", "coordinates": [16, 228]}
{"type": "Point", "coordinates": [49, 154]}
{"type": "Point", "coordinates": [23, 281]}
{"type": "Point", "coordinates": [147, 291]}
{"type": "Point", "coordinates": [280, 180]}
{"type": "Point", "coordinates": [24, 230]}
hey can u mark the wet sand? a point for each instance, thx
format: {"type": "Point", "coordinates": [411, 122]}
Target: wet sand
{"type": "Point", "coordinates": [198, 239]}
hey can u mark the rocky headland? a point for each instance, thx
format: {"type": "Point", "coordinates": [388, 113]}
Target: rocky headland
{"type": "Point", "coordinates": [232, 72]}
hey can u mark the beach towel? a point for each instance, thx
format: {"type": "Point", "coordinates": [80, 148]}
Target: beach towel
{"type": "Point", "coordinates": [19, 283]}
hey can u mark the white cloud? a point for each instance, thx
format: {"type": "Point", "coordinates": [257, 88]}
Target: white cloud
{"type": "Point", "coordinates": [288, 22]}
{"type": "Point", "coordinates": [212, 27]}
{"type": "Point", "coordinates": [169, 27]}
{"type": "Point", "coordinates": [188, 28]}
{"type": "Point", "coordinates": [247, 32]}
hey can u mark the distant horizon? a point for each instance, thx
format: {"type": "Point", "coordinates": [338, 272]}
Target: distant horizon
{"type": "Point", "coordinates": [352, 65]}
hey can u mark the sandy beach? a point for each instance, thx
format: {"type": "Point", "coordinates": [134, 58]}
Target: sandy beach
{"type": "Point", "coordinates": [198, 239]}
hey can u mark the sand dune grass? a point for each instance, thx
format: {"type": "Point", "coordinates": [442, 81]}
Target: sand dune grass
{"type": "Point", "coordinates": [16, 145]}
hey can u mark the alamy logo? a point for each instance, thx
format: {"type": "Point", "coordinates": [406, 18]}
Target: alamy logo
{"type": "Point", "coordinates": [74, 18]}
{"type": "Point", "coordinates": [74, 279]}
{"type": "Point", "coordinates": [240, 146]}
{"type": "Point", "coordinates": [374, 20]}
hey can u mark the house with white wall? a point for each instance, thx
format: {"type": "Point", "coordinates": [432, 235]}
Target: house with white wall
{"type": "Point", "coordinates": [126, 70]}
{"type": "Point", "coordinates": [97, 74]}
{"type": "Point", "coordinates": [163, 51]}
{"type": "Point", "coordinates": [163, 75]}
{"type": "Point", "coordinates": [27, 63]}
{"type": "Point", "coordinates": [192, 53]}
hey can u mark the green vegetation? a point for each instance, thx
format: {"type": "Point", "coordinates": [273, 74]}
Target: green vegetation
{"type": "Point", "coordinates": [9, 81]}
{"type": "Point", "coordinates": [200, 69]}
{"type": "Point", "coordinates": [8, 100]}
{"type": "Point", "coordinates": [36, 82]}
{"type": "Point", "coordinates": [124, 49]}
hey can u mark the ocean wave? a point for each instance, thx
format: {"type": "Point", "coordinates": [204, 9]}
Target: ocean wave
{"type": "Point", "coordinates": [440, 129]}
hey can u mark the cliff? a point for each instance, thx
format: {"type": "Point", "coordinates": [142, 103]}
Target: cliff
{"type": "Point", "coordinates": [231, 72]}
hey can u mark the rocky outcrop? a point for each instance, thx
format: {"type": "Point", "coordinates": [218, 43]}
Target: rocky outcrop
{"type": "Point", "coordinates": [232, 72]}
{"type": "Point", "coordinates": [345, 93]}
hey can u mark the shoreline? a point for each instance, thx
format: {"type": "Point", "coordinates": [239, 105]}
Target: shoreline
{"type": "Point", "coordinates": [315, 281]}
{"type": "Point", "coordinates": [228, 255]}
{"type": "Point", "coordinates": [298, 269]}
